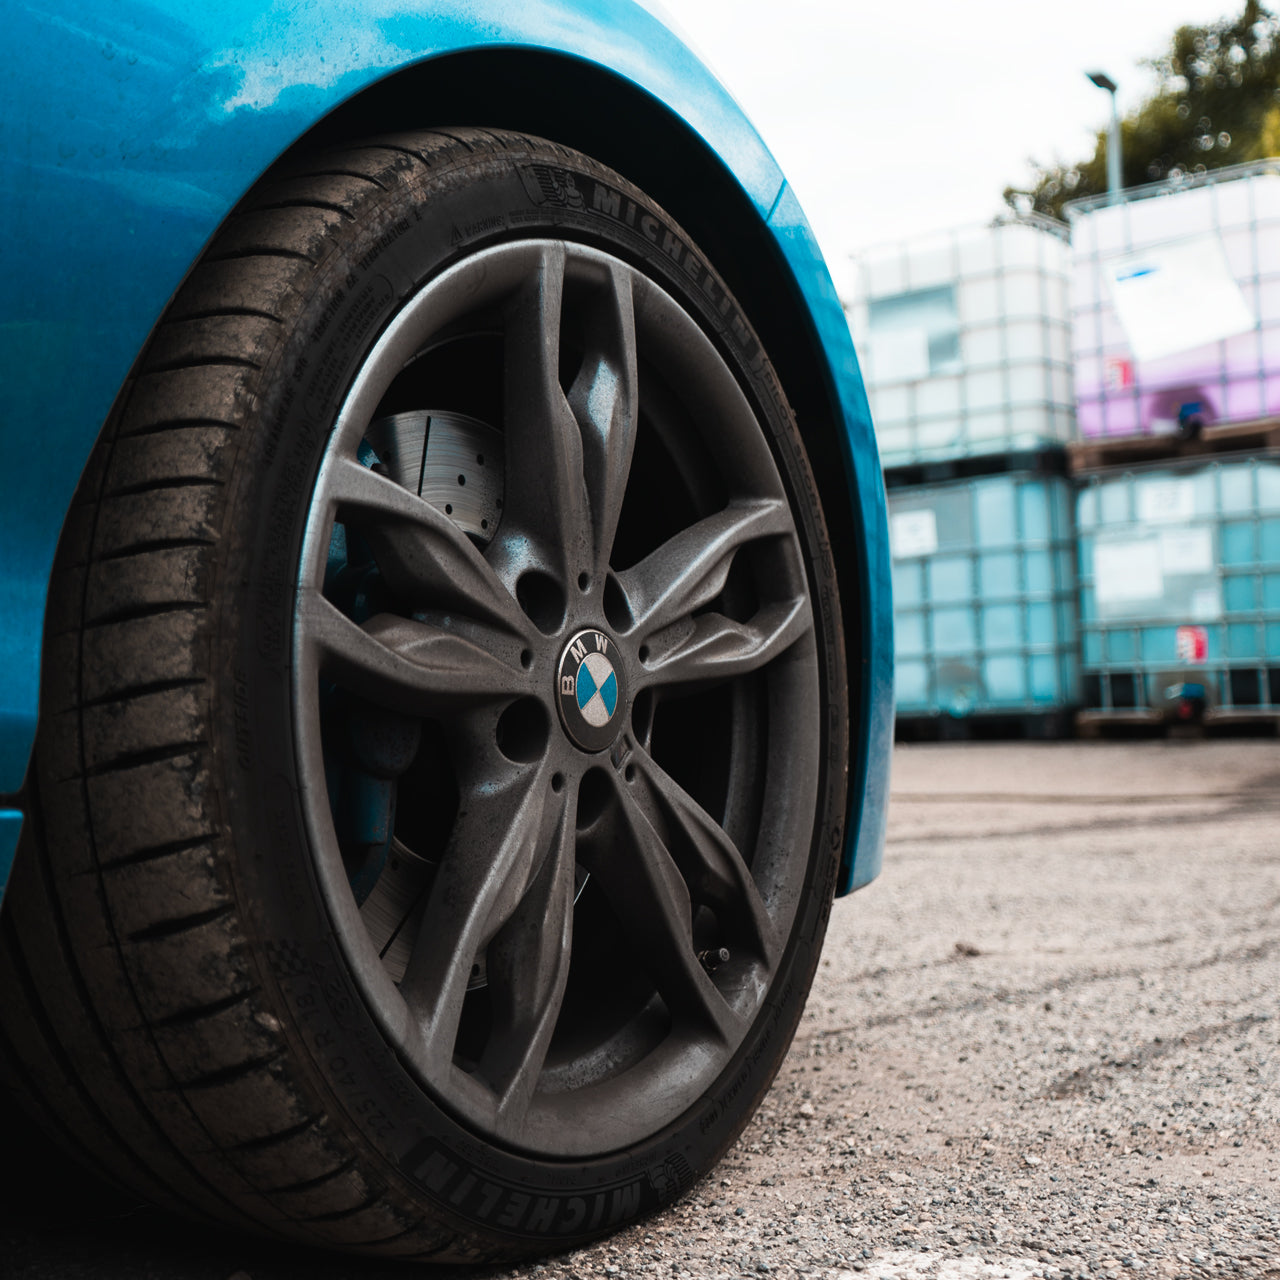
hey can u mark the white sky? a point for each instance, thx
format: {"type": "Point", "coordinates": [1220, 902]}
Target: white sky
{"type": "Point", "coordinates": [892, 119]}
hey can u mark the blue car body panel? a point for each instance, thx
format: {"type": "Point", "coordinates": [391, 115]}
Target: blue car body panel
{"type": "Point", "coordinates": [871, 680]}
{"type": "Point", "coordinates": [10, 826]}
{"type": "Point", "coordinates": [129, 132]}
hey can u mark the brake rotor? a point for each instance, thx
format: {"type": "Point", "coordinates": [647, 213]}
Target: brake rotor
{"type": "Point", "coordinates": [393, 910]}
{"type": "Point", "coordinates": [448, 459]}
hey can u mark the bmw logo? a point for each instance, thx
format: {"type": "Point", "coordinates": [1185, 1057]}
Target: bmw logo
{"type": "Point", "coordinates": [590, 690]}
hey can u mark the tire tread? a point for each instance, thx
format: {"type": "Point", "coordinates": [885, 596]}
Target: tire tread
{"type": "Point", "coordinates": [132, 596]}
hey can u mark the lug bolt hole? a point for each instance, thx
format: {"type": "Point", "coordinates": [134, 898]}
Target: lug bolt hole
{"type": "Point", "coordinates": [616, 611]}
{"type": "Point", "coordinates": [594, 795]}
{"type": "Point", "coordinates": [630, 773]}
{"type": "Point", "coordinates": [557, 782]}
{"type": "Point", "coordinates": [642, 715]}
{"type": "Point", "coordinates": [643, 654]}
{"type": "Point", "coordinates": [584, 581]}
{"type": "Point", "coordinates": [526, 658]}
{"type": "Point", "coordinates": [542, 599]}
{"type": "Point", "coordinates": [523, 730]}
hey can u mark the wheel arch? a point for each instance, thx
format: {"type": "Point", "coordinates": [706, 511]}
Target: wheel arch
{"type": "Point", "coordinates": [647, 142]}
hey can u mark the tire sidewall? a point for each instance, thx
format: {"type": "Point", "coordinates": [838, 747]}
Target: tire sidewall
{"type": "Point", "coordinates": [340, 1058]}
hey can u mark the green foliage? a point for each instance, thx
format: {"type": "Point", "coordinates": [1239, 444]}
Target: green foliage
{"type": "Point", "coordinates": [1216, 102]}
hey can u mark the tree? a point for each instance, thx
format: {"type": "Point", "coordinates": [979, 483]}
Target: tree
{"type": "Point", "coordinates": [1216, 102]}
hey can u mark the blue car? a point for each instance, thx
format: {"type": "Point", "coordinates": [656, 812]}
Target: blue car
{"type": "Point", "coordinates": [446, 628]}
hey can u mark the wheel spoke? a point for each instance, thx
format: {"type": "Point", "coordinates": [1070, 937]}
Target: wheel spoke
{"type": "Point", "coordinates": [717, 648]}
{"type": "Point", "coordinates": [528, 967]}
{"type": "Point", "coordinates": [690, 569]}
{"type": "Point", "coordinates": [651, 899]}
{"type": "Point", "coordinates": [424, 557]}
{"type": "Point", "coordinates": [707, 858]}
{"type": "Point", "coordinates": [495, 850]}
{"type": "Point", "coordinates": [402, 664]}
{"type": "Point", "coordinates": [547, 505]}
{"type": "Point", "coordinates": [604, 401]}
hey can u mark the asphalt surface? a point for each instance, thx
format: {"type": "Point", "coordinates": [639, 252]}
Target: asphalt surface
{"type": "Point", "coordinates": [1045, 1043]}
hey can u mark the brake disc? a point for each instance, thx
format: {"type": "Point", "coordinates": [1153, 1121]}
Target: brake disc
{"type": "Point", "coordinates": [450, 460]}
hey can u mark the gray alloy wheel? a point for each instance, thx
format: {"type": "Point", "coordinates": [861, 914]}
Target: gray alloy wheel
{"type": "Point", "coordinates": [541, 647]}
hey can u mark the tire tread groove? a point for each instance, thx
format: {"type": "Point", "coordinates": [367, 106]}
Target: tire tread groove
{"type": "Point", "coordinates": [338, 1215]}
{"type": "Point", "coordinates": [267, 1140]}
{"type": "Point", "coordinates": [152, 755]}
{"type": "Point", "coordinates": [182, 924]}
{"type": "Point", "coordinates": [154, 544]}
{"type": "Point", "coordinates": [130, 692]}
{"type": "Point", "coordinates": [191, 1017]}
{"type": "Point", "coordinates": [138, 612]}
{"type": "Point", "coordinates": [162, 486]}
{"type": "Point", "coordinates": [213, 361]}
{"type": "Point", "coordinates": [296, 202]}
{"type": "Point", "coordinates": [230, 1075]}
{"type": "Point", "coordinates": [179, 424]}
{"type": "Point", "coordinates": [310, 1184]}
{"type": "Point", "coordinates": [228, 313]}
{"type": "Point", "coordinates": [257, 251]}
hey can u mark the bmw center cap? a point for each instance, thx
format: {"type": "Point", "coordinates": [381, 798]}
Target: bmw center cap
{"type": "Point", "coordinates": [591, 695]}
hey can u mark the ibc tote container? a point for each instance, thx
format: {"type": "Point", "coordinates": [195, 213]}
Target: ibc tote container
{"type": "Point", "coordinates": [1180, 591]}
{"type": "Point", "coordinates": [984, 597]}
{"type": "Point", "coordinates": [964, 341]}
{"type": "Point", "coordinates": [1176, 304]}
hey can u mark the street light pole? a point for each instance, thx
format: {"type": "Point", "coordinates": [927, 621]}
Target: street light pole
{"type": "Point", "coordinates": [1114, 181]}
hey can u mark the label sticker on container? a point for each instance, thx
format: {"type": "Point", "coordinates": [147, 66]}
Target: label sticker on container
{"type": "Point", "coordinates": [1166, 501]}
{"type": "Point", "coordinates": [1193, 644]}
{"type": "Point", "coordinates": [1176, 297]}
{"type": "Point", "coordinates": [900, 355]}
{"type": "Point", "coordinates": [1186, 551]}
{"type": "Point", "coordinates": [1127, 571]}
{"type": "Point", "coordinates": [1117, 373]}
{"type": "Point", "coordinates": [913, 533]}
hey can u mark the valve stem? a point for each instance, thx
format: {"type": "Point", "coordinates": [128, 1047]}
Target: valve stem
{"type": "Point", "coordinates": [713, 958]}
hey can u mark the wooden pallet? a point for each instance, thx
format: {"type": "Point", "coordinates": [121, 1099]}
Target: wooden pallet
{"type": "Point", "coordinates": [1262, 436]}
{"type": "Point", "coordinates": [986, 726]}
{"type": "Point", "coordinates": [1097, 722]}
{"type": "Point", "coordinates": [1254, 718]}
{"type": "Point", "coordinates": [1048, 461]}
{"type": "Point", "coordinates": [1129, 721]}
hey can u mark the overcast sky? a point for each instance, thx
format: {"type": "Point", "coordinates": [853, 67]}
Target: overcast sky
{"type": "Point", "coordinates": [891, 119]}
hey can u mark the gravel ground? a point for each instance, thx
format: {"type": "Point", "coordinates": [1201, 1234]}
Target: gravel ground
{"type": "Point", "coordinates": [1044, 1043]}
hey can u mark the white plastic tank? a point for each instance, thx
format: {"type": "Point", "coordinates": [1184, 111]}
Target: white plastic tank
{"type": "Point", "coordinates": [964, 341]}
{"type": "Point", "coordinates": [1175, 304]}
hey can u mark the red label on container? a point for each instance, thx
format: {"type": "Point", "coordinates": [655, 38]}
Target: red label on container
{"type": "Point", "coordinates": [1193, 644]}
{"type": "Point", "coordinates": [1118, 373]}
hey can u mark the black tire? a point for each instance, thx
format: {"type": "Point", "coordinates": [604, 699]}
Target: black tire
{"type": "Point", "coordinates": [197, 992]}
